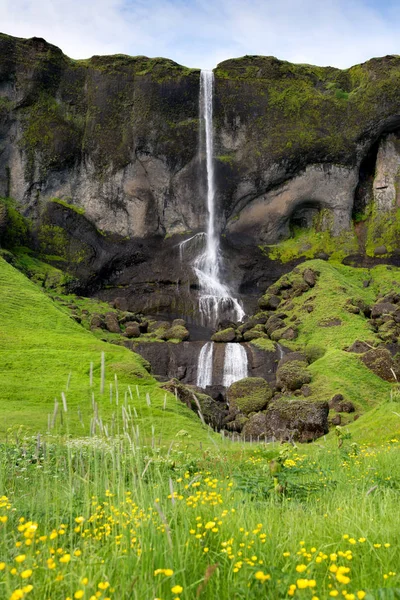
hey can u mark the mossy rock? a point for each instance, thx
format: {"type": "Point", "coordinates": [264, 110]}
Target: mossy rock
{"type": "Point", "coordinates": [380, 362]}
{"type": "Point", "coordinates": [293, 375]}
{"type": "Point", "coordinates": [213, 412]}
{"type": "Point", "coordinates": [176, 332]}
{"type": "Point", "coordinates": [289, 420]}
{"type": "Point", "coordinates": [254, 334]}
{"type": "Point", "coordinates": [248, 395]}
{"type": "Point", "coordinates": [225, 335]}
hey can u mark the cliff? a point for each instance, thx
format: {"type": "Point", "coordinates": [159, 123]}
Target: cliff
{"type": "Point", "coordinates": [116, 138]}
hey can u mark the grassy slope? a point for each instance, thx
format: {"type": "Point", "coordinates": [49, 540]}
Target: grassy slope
{"type": "Point", "coordinates": [40, 346]}
{"type": "Point", "coordinates": [339, 371]}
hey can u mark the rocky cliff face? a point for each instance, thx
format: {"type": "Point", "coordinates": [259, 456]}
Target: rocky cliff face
{"type": "Point", "coordinates": [118, 138]}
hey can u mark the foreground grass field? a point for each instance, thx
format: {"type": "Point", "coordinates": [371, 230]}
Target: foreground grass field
{"type": "Point", "coordinates": [95, 518]}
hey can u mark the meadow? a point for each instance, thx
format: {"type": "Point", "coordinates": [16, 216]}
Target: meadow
{"type": "Point", "coordinates": [123, 517]}
{"type": "Point", "coordinates": [111, 488]}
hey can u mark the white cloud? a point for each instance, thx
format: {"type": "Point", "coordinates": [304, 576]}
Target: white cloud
{"type": "Point", "coordinates": [201, 33]}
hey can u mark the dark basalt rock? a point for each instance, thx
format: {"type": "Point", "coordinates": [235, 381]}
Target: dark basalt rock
{"type": "Point", "coordinates": [111, 323]}
{"type": "Point", "coordinates": [310, 277]}
{"type": "Point", "coordinates": [292, 375]}
{"type": "Point", "coordinates": [339, 404]}
{"type": "Point", "coordinates": [132, 329]}
{"type": "Point", "coordinates": [291, 356]}
{"type": "Point", "coordinates": [381, 363]}
{"type": "Point", "coordinates": [269, 302]}
{"type": "Point", "coordinates": [211, 411]}
{"type": "Point", "coordinates": [382, 308]}
{"type": "Point", "coordinates": [289, 420]}
{"type": "Point", "coordinates": [96, 322]}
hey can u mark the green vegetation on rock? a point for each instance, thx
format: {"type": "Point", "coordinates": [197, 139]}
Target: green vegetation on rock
{"type": "Point", "coordinates": [249, 395]}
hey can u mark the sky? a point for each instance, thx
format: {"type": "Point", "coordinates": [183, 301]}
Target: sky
{"type": "Point", "coordinates": [202, 33]}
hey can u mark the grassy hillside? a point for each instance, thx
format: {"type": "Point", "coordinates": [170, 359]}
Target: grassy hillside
{"type": "Point", "coordinates": [43, 353]}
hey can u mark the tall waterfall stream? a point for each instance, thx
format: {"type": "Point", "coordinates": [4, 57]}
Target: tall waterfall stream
{"type": "Point", "coordinates": [215, 298]}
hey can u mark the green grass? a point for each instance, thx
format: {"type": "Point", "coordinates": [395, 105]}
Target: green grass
{"type": "Point", "coordinates": [336, 285]}
{"type": "Point", "coordinates": [114, 512]}
{"type": "Point", "coordinates": [339, 372]}
{"type": "Point", "coordinates": [41, 348]}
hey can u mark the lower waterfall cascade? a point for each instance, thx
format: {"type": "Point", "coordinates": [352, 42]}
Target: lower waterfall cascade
{"type": "Point", "coordinates": [205, 365]}
{"type": "Point", "coordinates": [235, 364]}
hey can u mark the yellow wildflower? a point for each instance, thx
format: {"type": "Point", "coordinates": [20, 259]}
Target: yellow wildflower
{"type": "Point", "coordinates": [177, 589]}
{"type": "Point", "coordinates": [27, 573]}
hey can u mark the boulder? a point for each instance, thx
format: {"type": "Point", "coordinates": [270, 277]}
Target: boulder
{"type": "Point", "coordinates": [248, 395]}
{"type": "Point", "coordinates": [389, 331]}
{"type": "Point", "coordinates": [292, 375]}
{"type": "Point", "coordinates": [273, 324]}
{"type": "Point", "coordinates": [213, 412]}
{"type": "Point", "coordinates": [290, 333]}
{"type": "Point", "coordinates": [226, 324]}
{"type": "Point", "coordinates": [380, 250]}
{"type": "Point", "coordinates": [297, 420]}
{"type": "Point", "coordinates": [176, 332]}
{"type": "Point", "coordinates": [382, 308]}
{"type": "Point", "coordinates": [255, 428]}
{"type": "Point", "coordinates": [269, 302]}
{"type": "Point", "coordinates": [224, 335]}
{"type": "Point", "coordinates": [132, 329]}
{"type": "Point", "coordinates": [291, 356]}
{"type": "Point", "coordinates": [111, 323]}
{"type": "Point", "coordinates": [380, 362]}
{"type": "Point", "coordinates": [128, 317]}
{"type": "Point", "coordinates": [392, 297]}
{"type": "Point", "coordinates": [253, 334]}
{"type": "Point", "coordinates": [336, 420]}
{"type": "Point", "coordinates": [158, 327]}
{"type": "Point", "coordinates": [96, 321]}
{"type": "Point", "coordinates": [339, 404]}
{"type": "Point", "coordinates": [359, 347]}
{"type": "Point", "coordinates": [237, 424]}
{"type": "Point", "coordinates": [179, 322]}
{"type": "Point", "coordinates": [310, 277]}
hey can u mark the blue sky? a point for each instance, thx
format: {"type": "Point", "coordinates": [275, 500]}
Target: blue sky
{"type": "Point", "coordinates": [201, 33]}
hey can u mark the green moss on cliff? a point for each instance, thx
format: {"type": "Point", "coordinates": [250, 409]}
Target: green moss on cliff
{"type": "Point", "coordinates": [383, 229]}
{"type": "Point", "coordinates": [16, 227]}
{"type": "Point", "coordinates": [308, 243]}
{"type": "Point", "coordinates": [77, 209]}
{"type": "Point", "coordinates": [303, 112]}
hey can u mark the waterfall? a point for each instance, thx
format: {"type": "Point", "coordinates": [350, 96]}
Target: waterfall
{"type": "Point", "coordinates": [235, 364]}
{"type": "Point", "coordinates": [205, 365]}
{"type": "Point", "coordinates": [215, 298]}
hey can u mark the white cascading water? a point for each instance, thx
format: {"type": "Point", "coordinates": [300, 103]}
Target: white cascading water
{"type": "Point", "coordinates": [205, 365]}
{"type": "Point", "coordinates": [215, 298]}
{"type": "Point", "coordinates": [235, 364]}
